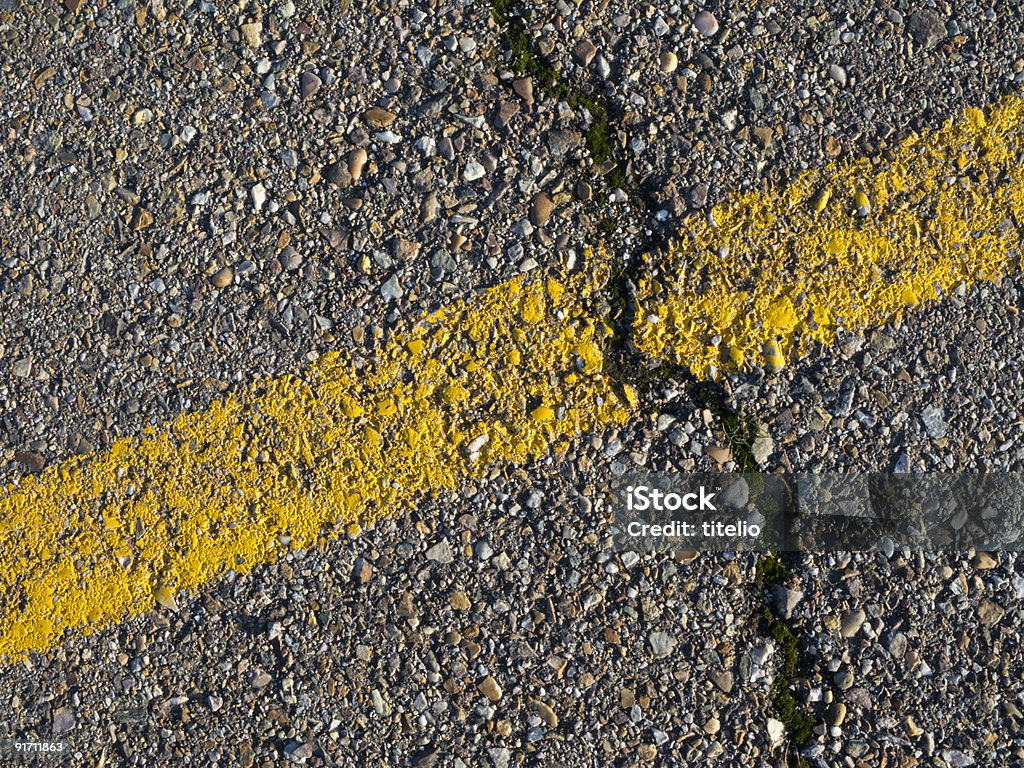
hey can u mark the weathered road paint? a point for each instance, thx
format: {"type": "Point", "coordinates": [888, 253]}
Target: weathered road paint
{"type": "Point", "coordinates": [506, 378]}
{"type": "Point", "coordinates": [850, 246]}
{"type": "Point", "coordinates": [291, 461]}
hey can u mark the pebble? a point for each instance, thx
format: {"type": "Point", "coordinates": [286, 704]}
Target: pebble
{"type": "Point", "coordinates": [851, 622]}
{"type": "Point", "coordinates": [541, 208]}
{"type": "Point", "coordinates": [222, 278]}
{"type": "Point", "coordinates": [391, 289]}
{"type": "Point", "coordinates": [662, 643]}
{"type": "Point", "coordinates": [669, 62]}
{"type": "Point", "coordinates": [357, 160]}
{"type": "Point", "coordinates": [956, 758]}
{"type": "Point", "coordinates": [258, 194]}
{"type": "Point", "coordinates": [697, 195]}
{"type": "Point", "coordinates": [545, 713]}
{"type": "Point", "coordinates": [762, 448]}
{"type": "Point", "coordinates": [63, 720]}
{"type": "Point", "coordinates": [721, 454]}
{"type": "Point", "coordinates": [523, 87]}
{"type": "Point", "coordinates": [562, 142]}
{"type": "Point", "coordinates": [290, 259]}
{"type": "Point", "coordinates": [990, 612]}
{"type": "Point", "coordinates": [309, 85]}
{"type": "Point", "coordinates": [736, 494]}
{"type": "Point", "coordinates": [584, 52]}
{"type": "Point", "coordinates": [490, 688]}
{"type": "Point", "coordinates": [983, 561]}
{"type": "Point", "coordinates": [473, 171]}
{"type": "Point", "coordinates": [926, 27]}
{"type": "Point", "coordinates": [483, 549]}
{"type": "Point", "coordinates": [252, 33]}
{"type": "Point", "coordinates": [377, 117]}
{"type": "Point", "coordinates": [706, 23]}
{"type": "Point", "coordinates": [843, 679]}
{"type": "Point", "coordinates": [836, 714]}
{"type": "Point", "coordinates": [724, 680]}
{"type": "Point", "coordinates": [934, 422]}
{"type": "Point", "coordinates": [838, 74]}
{"type": "Point", "coordinates": [441, 552]}
{"type": "Point", "coordinates": [785, 600]}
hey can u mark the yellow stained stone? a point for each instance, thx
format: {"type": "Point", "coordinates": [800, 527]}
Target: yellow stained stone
{"type": "Point", "coordinates": [542, 413]}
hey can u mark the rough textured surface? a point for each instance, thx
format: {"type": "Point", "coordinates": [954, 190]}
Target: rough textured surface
{"type": "Point", "coordinates": [847, 248]}
{"type": "Point", "coordinates": [512, 377]}
{"type": "Point", "coordinates": [194, 197]}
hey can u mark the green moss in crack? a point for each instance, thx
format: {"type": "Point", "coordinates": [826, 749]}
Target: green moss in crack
{"type": "Point", "coordinates": [788, 643]}
{"type": "Point", "coordinates": [524, 61]}
{"type": "Point", "coordinates": [522, 58]}
{"type": "Point", "coordinates": [798, 723]}
{"type": "Point", "coordinates": [740, 427]}
{"type": "Point", "coordinates": [501, 10]}
{"type": "Point", "coordinates": [616, 179]}
{"type": "Point", "coordinates": [769, 570]}
{"type": "Point", "coordinates": [600, 135]}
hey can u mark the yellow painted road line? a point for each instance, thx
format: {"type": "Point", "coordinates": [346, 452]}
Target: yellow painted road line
{"type": "Point", "coordinates": [291, 461]}
{"type": "Point", "coordinates": [506, 378]}
{"type": "Point", "coordinates": [847, 247]}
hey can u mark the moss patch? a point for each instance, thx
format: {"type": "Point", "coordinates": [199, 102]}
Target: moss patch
{"type": "Point", "coordinates": [524, 60]}
{"type": "Point", "coordinates": [769, 570]}
{"type": "Point", "coordinates": [740, 427]}
{"type": "Point", "coordinates": [798, 723]}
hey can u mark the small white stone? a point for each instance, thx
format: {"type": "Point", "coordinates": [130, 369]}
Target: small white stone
{"type": "Point", "coordinates": [473, 171]}
{"type": "Point", "coordinates": [259, 197]}
{"type": "Point", "coordinates": [838, 74]}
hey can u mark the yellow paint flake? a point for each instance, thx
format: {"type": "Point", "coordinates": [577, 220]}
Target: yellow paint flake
{"type": "Point", "coordinates": [289, 463]}
{"type": "Point", "coordinates": [542, 413]}
{"type": "Point", "coordinates": [942, 210]}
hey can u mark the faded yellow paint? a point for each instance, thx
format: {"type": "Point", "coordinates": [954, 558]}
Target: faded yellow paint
{"type": "Point", "coordinates": [850, 246]}
{"type": "Point", "coordinates": [293, 460]}
{"type": "Point", "coordinates": [506, 378]}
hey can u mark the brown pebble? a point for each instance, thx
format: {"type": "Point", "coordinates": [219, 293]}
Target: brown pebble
{"type": "Point", "coordinates": [376, 117]}
{"type": "Point", "coordinates": [356, 163]}
{"type": "Point", "coordinates": [489, 687]}
{"type": "Point", "coordinates": [222, 278]}
{"type": "Point", "coordinates": [540, 209]}
{"type": "Point", "coordinates": [524, 89]}
{"type": "Point", "coordinates": [545, 713]}
{"type": "Point", "coordinates": [983, 561]}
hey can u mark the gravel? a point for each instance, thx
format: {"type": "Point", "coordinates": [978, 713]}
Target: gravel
{"type": "Point", "coordinates": [197, 196]}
